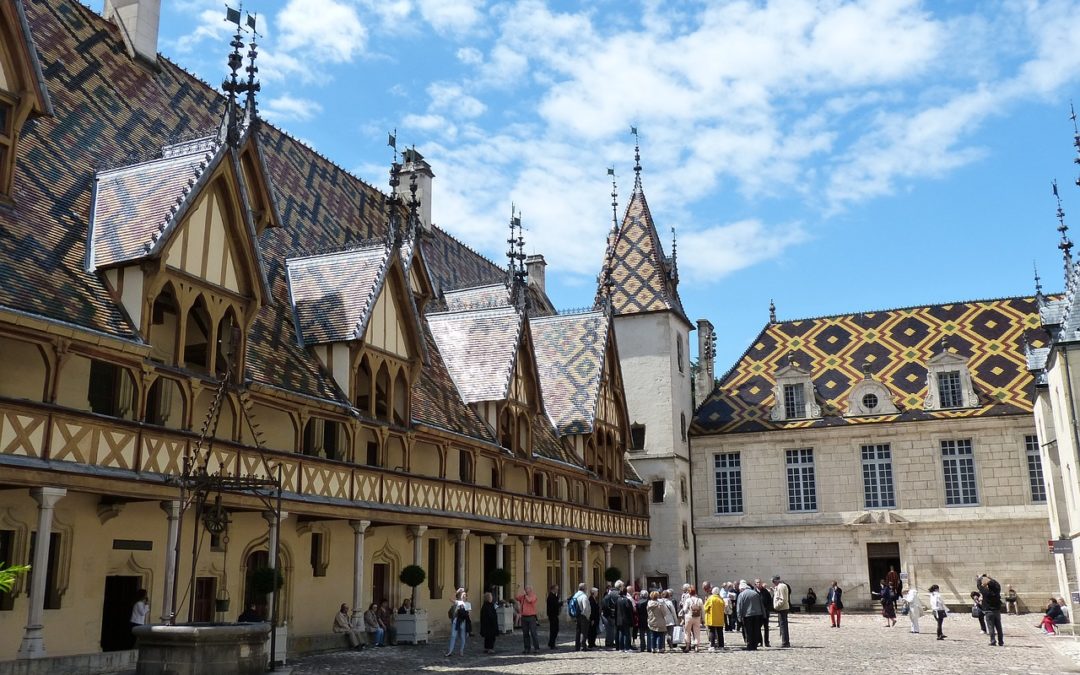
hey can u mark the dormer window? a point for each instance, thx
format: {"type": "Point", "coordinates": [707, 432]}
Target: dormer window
{"type": "Point", "coordinates": [794, 394]}
{"type": "Point", "coordinates": [869, 397]}
{"type": "Point", "coordinates": [948, 382]}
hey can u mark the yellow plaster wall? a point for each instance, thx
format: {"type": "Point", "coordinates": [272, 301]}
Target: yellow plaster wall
{"type": "Point", "coordinates": [23, 370]}
{"type": "Point", "coordinates": [276, 425]}
{"type": "Point", "coordinates": [5, 78]}
{"type": "Point", "coordinates": [384, 329]}
{"type": "Point", "coordinates": [425, 460]}
{"type": "Point", "coordinates": [201, 246]}
{"type": "Point", "coordinates": [73, 390]}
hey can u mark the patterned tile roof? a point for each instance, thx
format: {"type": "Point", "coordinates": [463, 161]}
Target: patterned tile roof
{"type": "Point", "coordinates": [479, 349]}
{"type": "Point", "coordinates": [332, 294]}
{"type": "Point", "coordinates": [42, 103]}
{"type": "Point", "coordinates": [134, 206]}
{"type": "Point", "coordinates": [478, 297]}
{"type": "Point", "coordinates": [436, 400]}
{"type": "Point", "coordinates": [570, 351]}
{"type": "Point", "coordinates": [641, 276]}
{"type": "Point", "coordinates": [897, 344]}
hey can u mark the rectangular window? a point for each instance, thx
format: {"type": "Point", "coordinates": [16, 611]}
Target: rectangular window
{"type": "Point", "coordinates": [685, 536]}
{"type": "Point", "coordinates": [637, 436]}
{"type": "Point", "coordinates": [728, 482]}
{"type": "Point", "coordinates": [949, 393]}
{"type": "Point", "coordinates": [802, 488]}
{"type": "Point", "coordinates": [958, 464]}
{"type": "Point", "coordinates": [1035, 472]}
{"type": "Point", "coordinates": [877, 474]}
{"type": "Point", "coordinates": [318, 565]}
{"type": "Point", "coordinates": [794, 401]}
{"type": "Point", "coordinates": [658, 492]}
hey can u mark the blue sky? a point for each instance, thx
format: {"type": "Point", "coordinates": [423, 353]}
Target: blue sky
{"type": "Point", "coordinates": [833, 156]}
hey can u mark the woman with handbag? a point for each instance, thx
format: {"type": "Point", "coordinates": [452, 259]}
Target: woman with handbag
{"type": "Point", "coordinates": [834, 602]}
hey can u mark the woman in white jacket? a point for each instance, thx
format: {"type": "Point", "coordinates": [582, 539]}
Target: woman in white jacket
{"type": "Point", "coordinates": [937, 606]}
{"type": "Point", "coordinates": [914, 607]}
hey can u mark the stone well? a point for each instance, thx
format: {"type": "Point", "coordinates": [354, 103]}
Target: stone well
{"type": "Point", "coordinates": [202, 649]}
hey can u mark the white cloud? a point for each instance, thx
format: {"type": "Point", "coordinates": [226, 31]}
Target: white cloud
{"type": "Point", "coordinates": [287, 108]}
{"type": "Point", "coordinates": [451, 16]}
{"type": "Point", "coordinates": [709, 254]}
{"type": "Point", "coordinates": [324, 29]}
{"type": "Point", "coordinates": [451, 98]}
{"type": "Point", "coordinates": [470, 56]}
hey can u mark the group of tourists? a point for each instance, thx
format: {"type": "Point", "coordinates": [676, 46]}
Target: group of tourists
{"type": "Point", "coordinates": [378, 623]}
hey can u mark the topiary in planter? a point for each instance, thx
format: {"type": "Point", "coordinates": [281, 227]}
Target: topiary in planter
{"type": "Point", "coordinates": [412, 576]}
{"type": "Point", "coordinates": [612, 574]}
{"type": "Point", "coordinates": [265, 580]}
{"type": "Point", "coordinates": [498, 578]}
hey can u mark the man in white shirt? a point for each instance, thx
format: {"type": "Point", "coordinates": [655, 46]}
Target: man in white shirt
{"type": "Point", "coordinates": [782, 605]}
{"type": "Point", "coordinates": [581, 620]}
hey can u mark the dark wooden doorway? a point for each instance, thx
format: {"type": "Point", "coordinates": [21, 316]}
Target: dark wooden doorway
{"type": "Point", "coordinates": [255, 560]}
{"type": "Point", "coordinates": [205, 592]}
{"type": "Point", "coordinates": [380, 582]}
{"type": "Point", "coordinates": [116, 608]}
{"type": "Point", "coordinates": [489, 564]}
{"type": "Point", "coordinates": [880, 556]}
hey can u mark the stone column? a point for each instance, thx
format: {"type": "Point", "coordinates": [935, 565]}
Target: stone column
{"type": "Point", "coordinates": [417, 531]}
{"type": "Point", "coordinates": [564, 567]}
{"type": "Point", "coordinates": [33, 642]}
{"type": "Point", "coordinates": [172, 534]}
{"type": "Point", "coordinates": [585, 567]}
{"type": "Point", "coordinates": [500, 544]}
{"type": "Point", "coordinates": [526, 544]}
{"type": "Point", "coordinates": [631, 548]}
{"type": "Point", "coordinates": [459, 567]}
{"type": "Point", "coordinates": [358, 527]}
{"type": "Point", "coordinates": [272, 546]}
{"type": "Point", "coordinates": [607, 557]}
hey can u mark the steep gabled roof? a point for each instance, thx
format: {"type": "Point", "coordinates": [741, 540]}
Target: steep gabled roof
{"type": "Point", "coordinates": [332, 294]}
{"type": "Point", "coordinates": [26, 56]}
{"type": "Point", "coordinates": [897, 344]}
{"type": "Point", "coordinates": [479, 348]}
{"type": "Point", "coordinates": [642, 278]}
{"type": "Point", "coordinates": [570, 354]}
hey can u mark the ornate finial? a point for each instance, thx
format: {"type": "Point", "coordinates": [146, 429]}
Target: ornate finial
{"type": "Point", "coordinates": [393, 201]}
{"type": "Point", "coordinates": [866, 371]}
{"type": "Point", "coordinates": [414, 207]}
{"type": "Point", "coordinates": [232, 85]}
{"type": "Point", "coordinates": [515, 253]}
{"type": "Point", "coordinates": [772, 312]}
{"type": "Point", "coordinates": [1038, 284]}
{"type": "Point", "coordinates": [253, 85]}
{"type": "Point", "coordinates": [791, 359]}
{"type": "Point", "coordinates": [1065, 245]}
{"type": "Point", "coordinates": [945, 344]}
{"type": "Point", "coordinates": [511, 257]}
{"type": "Point", "coordinates": [637, 159]}
{"type": "Point", "coordinates": [614, 201]}
{"type": "Point", "coordinates": [674, 273]}
{"type": "Point", "coordinates": [392, 142]}
{"type": "Point", "coordinates": [1076, 137]}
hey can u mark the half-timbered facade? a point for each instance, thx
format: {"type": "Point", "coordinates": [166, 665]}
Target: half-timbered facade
{"type": "Point", "coordinates": [172, 292]}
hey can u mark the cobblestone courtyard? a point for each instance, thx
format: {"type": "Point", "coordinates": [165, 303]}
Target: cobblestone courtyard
{"type": "Point", "coordinates": [862, 645]}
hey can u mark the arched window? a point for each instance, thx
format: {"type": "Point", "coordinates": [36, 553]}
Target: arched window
{"type": "Point", "coordinates": [523, 432]}
{"type": "Point", "coordinates": [197, 337]}
{"type": "Point", "coordinates": [401, 399]}
{"type": "Point", "coordinates": [363, 386]}
{"type": "Point", "coordinates": [539, 484]}
{"type": "Point", "coordinates": [465, 466]}
{"type": "Point", "coordinates": [164, 326]}
{"type": "Point", "coordinates": [506, 429]}
{"type": "Point", "coordinates": [165, 404]}
{"type": "Point", "coordinates": [382, 393]}
{"type": "Point", "coordinates": [323, 438]}
{"type": "Point", "coordinates": [228, 344]}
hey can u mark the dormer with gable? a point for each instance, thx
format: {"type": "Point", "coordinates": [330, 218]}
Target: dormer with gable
{"type": "Point", "coordinates": [870, 397]}
{"type": "Point", "coordinates": [583, 389]}
{"type": "Point", "coordinates": [22, 89]}
{"type": "Point", "coordinates": [489, 354]}
{"type": "Point", "coordinates": [794, 394]}
{"type": "Point", "coordinates": [355, 311]}
{"type": "Point", "coordinates": [948, 382]}
{"type": "Point", "coordinates": [175, 239]}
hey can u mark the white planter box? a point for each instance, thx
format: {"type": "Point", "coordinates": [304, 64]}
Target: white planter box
{"type": "Point", "coordinates": [412, 628]}
{"type": "Point", "coordinates": [506, 619]}
{"type": "Point", "coordinates": [281, 643]}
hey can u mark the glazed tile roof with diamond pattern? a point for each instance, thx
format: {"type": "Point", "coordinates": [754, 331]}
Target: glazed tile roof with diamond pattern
{"type": "Point", "coordinates": [640, 278]}
{"type": "Point", "coordinates": [108, 109]}
{"type": "Point", "coordinates": [570, 352]}
{"type": "Point", "coordinates": [897, 345]}
{"type": "Point", "coordinates": [479, 349]}
{"type": "Point", "coordinates": [332, 294]}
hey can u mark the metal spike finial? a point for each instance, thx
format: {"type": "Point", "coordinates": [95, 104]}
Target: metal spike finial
{"type": "Point", "coordinates": [231, 85]}
{"type": "Point", "coordinates": [637, 158]}
{"type": "Point", "coordinates": [1076, 138]}
{"type": "Point", "coordinates": [772, 311]}
{"type": "Point", "coordinates": [614, 201]}
{"type": "Point", "coordinates": [1065, 245]}
{"type": "Point", "coordinates": [1038, 283]}
{"type": "Point", "coordinates": [674, 273]}
{"type": "Point", "coordinates": [253, 85]}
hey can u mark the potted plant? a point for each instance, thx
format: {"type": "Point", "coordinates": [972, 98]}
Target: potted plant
{"type": "Point", "coordinates": [412, 627]}
{"type": "Point", "coordinates": [612, 574]}
{"type": "Point", "coordinates": [266, 580]}
{"type": "Point", "coordinates": [498, 578]}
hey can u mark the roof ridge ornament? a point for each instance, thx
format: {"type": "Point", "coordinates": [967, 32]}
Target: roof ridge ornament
{"type": "Point", "coordinates": [1065, 245]}
{"type": "Point", "coordinates": [772, 311]}
{"type": "Point", "coordinates": [251, 108]}
{"type": "Point", "coordinates": [516, 272]}
{"type": "Point", "coordinates": [1076, 138]}
{"type": "Point", "coordinates": [673, 274]}
{"type": "Point", "coordinates": [637, 158]}
{"type": "Point", "coordinates": [1040, 299]}
{"type": "Point", "coordinates": [231, 85]}
{"type": "Point", "coordinates": [393, 200]}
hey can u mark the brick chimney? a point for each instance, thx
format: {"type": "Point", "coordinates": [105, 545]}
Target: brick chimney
{"type": "Point", "coordinates": [534, 268]}
{"type": "Point", "coordinates": [138, 21]}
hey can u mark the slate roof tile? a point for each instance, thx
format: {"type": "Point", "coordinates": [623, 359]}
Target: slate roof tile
{"type": "Point", "coordinates": [479, 349]}
{"type": "Point", "coordinates": [332, 294]}
{"type": "Point", "coordinates": [570, 351]}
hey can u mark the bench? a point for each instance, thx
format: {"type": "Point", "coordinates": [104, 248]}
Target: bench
{"type": "Point", "coordinates": [300, 645]}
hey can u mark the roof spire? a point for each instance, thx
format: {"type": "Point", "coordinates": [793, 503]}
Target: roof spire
{"type": "Point", "coordinates": [414, 208]}
{"type": "Point", "coordinates": [614, 201]}
{"type": "Point", "coordinates": [772, 311]}
{"type": "Point", "coordinates": [250, 106]}
{"type": "Point", "coordinates": [515, 253]}
{"type": "Point", "coordinates": [1039, 298]}
{"type": "Point", "coordinates": [393, 201]}
{"type": "Point", "coordinates": [1076, 137]}
{"type": "Point", "coordinates": [232, 85]}
{"type": "Point", "coordinates": [674, 273]}
{"type": "Point", "coordinates": [637, 159]}
{"type": "Point", "coordinates": [1065, 245]}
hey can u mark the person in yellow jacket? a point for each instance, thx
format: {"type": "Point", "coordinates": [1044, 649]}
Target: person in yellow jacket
{"type": "Point", "coordinates": [714, 619]}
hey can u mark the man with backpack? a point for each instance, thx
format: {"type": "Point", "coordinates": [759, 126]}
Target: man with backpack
{"type": "Point", "coordinates": [580, 610]}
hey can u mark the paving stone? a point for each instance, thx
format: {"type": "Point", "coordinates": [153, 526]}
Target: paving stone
{"type": "Point", "coordinates": [861, 645]}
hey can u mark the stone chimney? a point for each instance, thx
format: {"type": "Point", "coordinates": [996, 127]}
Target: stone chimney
{"type": "Point", "coordinates": [138, 21]}
{"type": "Point", "coordinates": [705, 377]}
{"type": "Point", "coordinates": [414, 164]}
{"type": "Point", "coordinates": [534, 268]}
